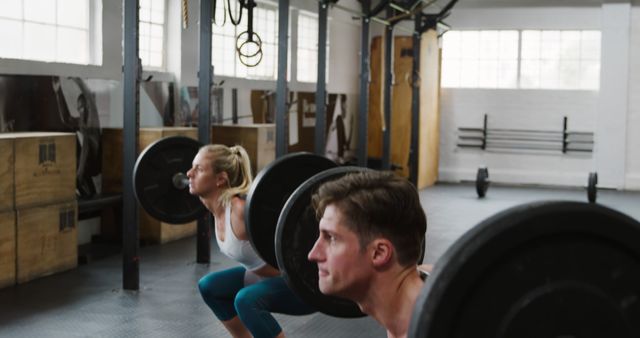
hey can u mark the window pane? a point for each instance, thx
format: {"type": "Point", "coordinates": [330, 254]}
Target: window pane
{"type": "Point", "coordinates": [155, 59]}
{"type": "Point", "coordinates": [469, 78]}
{"type": "Point", "coordinates": [157, 16]}
{"type": "Point", "coordinates": [451, 73]}
{"type": "Point", "coordinates": [508, 74]}
{"type": "Point", "coordinates": [531, 45]}
{"type": "Point", "coordinates": [40, 10]}
{"type": "Point", "coordinates": [73, 13]}
{"type": "Point", "coordinates": [11, 37]}
{"type": "Point", "coordinates": [488, 45]}
{"type": "Point", "coordinates": [530, 74]}
{"type": "Point", "coordinates": [549, 70]}
{"type": "Point", "coordinates": [40, 42]}
{"type": "Point", "coordinates": [470, 45]}
{"type": "Point", "coordinates": [488, 74]}
{"type": "Point", "coordinates": [508, 48]}
{"type": "Point", "coordinates": [570, 45]}
{"type": "Point", "coordinates": [550, 42]}
{"type": "Point", "coordinates": [68, 41]}
{"type": "Point", "coordinates": [451, 45]}
{"type": "Point", "coordinates": [590, 75]}
{"type": "Point", "coordinates": [11, 9]}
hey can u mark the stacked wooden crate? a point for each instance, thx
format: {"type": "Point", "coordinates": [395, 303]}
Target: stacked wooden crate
{"type": "Point", "coordinates": [151, 230]}
{"type": "Point", "coordinates": [38, 207]}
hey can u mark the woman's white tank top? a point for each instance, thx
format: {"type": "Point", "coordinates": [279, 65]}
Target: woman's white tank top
{"type": "Point", "coordinates": [239, 250]}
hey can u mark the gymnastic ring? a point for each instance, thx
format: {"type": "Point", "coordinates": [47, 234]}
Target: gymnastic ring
{"type": "Point", "coordinates": [240, 45]}
{"type": "Point", "coordinates": [240, 56]}
{"type": "Point", "coordinates": [240, 52]}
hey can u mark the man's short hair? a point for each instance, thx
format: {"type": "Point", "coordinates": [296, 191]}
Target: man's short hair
{"type": "Point", "coordinates": [375, 203]}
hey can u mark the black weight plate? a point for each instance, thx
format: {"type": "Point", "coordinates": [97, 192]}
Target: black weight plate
{"type": "Point", "coordinates": [482, 182]}
{"type": "Point", "coordinates": [153, 180]}
{"type": "Point", "coordinates": [296, 233]}
{"type": "Point", "coordinates": [546, 269]}
{"type": "Point", "coordinates": [592, 189]}
{"type": "Point", "coordinates": [268, 193]}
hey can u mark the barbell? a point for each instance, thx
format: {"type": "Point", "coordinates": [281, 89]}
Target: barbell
{"type": "Point", "coordinates": [543, 269]}
{"type": "Point", "coordinates": [280, 223]}
{"type": "Point", "coordinates": [483, 182]}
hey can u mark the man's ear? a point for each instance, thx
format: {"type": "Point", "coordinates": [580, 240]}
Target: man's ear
{"type": "Point", "coordinates": [382, 252]}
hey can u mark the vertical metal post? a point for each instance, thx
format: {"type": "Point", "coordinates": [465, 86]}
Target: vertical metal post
{"type": "Point", "coordinates": [388, 84]}
{"type": "Point", "coordinates": [234, 105]}
{"type": "Point", "coordinates": [281, 96]}
{"type": "Point", "coordinates": [321, 92]}
{"type": "Point", "coordinates": [205, 75]}
{"type": "Point", "coordinates": [131, 124]}
{"type": "Point", "coordinates": [363, 113]}
{"type": "Point", "coordinates": [565, 135]}
{"type": "Point", "coordinates": [415, 103]}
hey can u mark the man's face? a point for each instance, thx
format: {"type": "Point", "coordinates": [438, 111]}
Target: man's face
{"type": "Point", "coordinates": [343, 269]}
{"type": "Point", "coordinates": [202, 180]}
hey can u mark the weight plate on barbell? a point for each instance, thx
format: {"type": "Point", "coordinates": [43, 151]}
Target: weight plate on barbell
{"type": "Point", "coordinates": [269, 192]}
{"type": "Point", "coordinates": [592, 187]}
{"type": "Point", "coordinates": [296, 234]}
{"type": "Point", "coordinates": [482, 181]}
{"type": "Point", "coordinates": [153, 180]}
{"type": "Point", "coordinates": [546, 269]}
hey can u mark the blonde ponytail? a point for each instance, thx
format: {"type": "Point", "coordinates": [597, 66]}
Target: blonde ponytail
{"type": "Point", "coordinates": [236, 163]}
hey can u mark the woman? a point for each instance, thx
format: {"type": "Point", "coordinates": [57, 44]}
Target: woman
{"type": "Point", "coordinates": [242, 297]}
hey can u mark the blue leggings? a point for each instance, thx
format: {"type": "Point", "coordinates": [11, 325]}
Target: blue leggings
{"type": "Point", "coordinates": [225, 293]}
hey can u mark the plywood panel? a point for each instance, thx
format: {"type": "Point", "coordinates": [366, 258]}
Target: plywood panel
{"type": "Point", "coordinates": [7, 248]}
{"type": "Point", "coordinates": [429, 142]}
{"type": "Point", "coordinates": [6, 174]}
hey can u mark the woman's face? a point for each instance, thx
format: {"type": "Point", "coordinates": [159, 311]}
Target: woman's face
{"type": "Point", "coordinates": [203, 182]}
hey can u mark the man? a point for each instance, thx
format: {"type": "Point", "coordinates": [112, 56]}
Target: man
{"type": "Point", "coordinates": [371, 231]}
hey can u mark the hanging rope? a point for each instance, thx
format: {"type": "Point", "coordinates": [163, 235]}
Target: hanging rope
{"type": "Point", "coordinates": [185, 14]}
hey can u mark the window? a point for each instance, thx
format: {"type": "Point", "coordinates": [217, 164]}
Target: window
{"type": "Point", "coordinates": [480, 59]}
{"type": "Point", "coordinates": [521, 59]}
{"type": "Point", "coordinates": [49, 30]}
{"type": "Point", "coordinates": [307, 70]}
{"type": "Point", "coordinates": [151, 25]}
{"type": "Point", "coordinates": [223, 43]}
{"type": "Point", "coordinates": [560, 59]}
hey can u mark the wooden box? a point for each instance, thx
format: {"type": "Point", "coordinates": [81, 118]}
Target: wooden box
{"type": "Point", "coordinates": [258, 139]}
{"type": "Point", "coordinates": [44, 167]}
{"type": "Point", "coordinates": [151, 230]}
{"type": "Point", "coordinates": [6, 172]}
{"type": "Point", "coordinates": [46, 240]}
{"type": "Point", "coordinates": [7, 248]}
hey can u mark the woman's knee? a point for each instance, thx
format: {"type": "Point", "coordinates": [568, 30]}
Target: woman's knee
{"type": "Point", "coordinates": [248, 299]}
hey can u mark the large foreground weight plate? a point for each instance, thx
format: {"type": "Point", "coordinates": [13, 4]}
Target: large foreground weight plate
{"type": "Point", "coordinates": [592, 187]}
{"type": "Point", "coordinates": [547, 269]}
{"type": "Point", "coordinates": [296, 233]}
{"type": "Point", "coordinates": [268, 193]}
{"type": "Point", "coordinates": [482, 181]}
{"type": "Point", "coordinates": [159, 181]}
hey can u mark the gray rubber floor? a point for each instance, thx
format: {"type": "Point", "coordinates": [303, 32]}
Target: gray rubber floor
{"type": "Point", "coordinates": [89, 301]}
